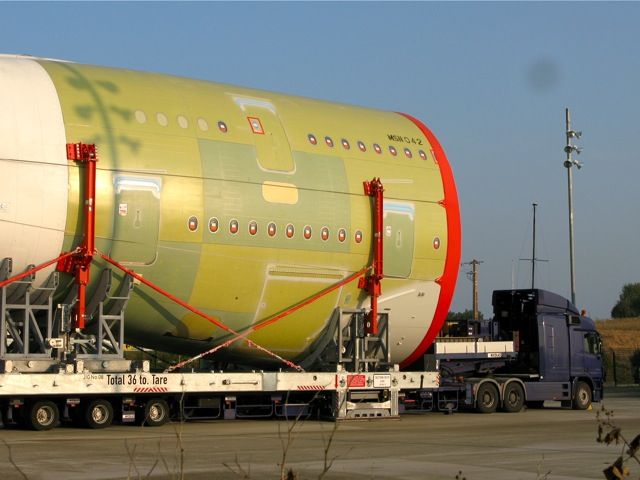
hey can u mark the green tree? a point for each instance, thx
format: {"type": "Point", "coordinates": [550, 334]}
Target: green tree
{"type": "Point", "coordinates": [629, 302]}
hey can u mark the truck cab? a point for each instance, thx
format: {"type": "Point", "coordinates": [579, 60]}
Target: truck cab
{"type": "Point", "coordinates": [559, 351]}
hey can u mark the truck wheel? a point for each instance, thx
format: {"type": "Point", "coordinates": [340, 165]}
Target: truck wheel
{"type": "Point", "coordinates": [513, 398]}
{"type": "Point", "coordinates": [155, 413]}
{"type": "Point", "coordinates": [98, 414]}
{"type": "Point", "coordinates": [487, 398]}
{"type": "Point", "coordinates": [581, 397]}
{"type": "Point", "coordinates": [42, 415]}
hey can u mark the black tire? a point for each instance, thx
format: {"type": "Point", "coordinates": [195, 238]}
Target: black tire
{"type": "Point", "coordinates": [581, 397]}
{"type": "Point", "coordinates": [487, 398]}
{"type": "Point", "coordinates": [97, 413]}
{"type": "Point", "coordinates": [154, 413]}
{"type": "Point", "coordinates": [513, 398]}
{"type": "Point", "coordinates": [42, 415]}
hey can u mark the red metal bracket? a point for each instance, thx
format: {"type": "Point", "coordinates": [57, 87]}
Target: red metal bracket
{"type": "Point", "coordinates": [372, 282]}
{"type": "Point", "coordinates": [79, 263]}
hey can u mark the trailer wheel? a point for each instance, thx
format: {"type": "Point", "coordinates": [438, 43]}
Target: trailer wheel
{"type": "Point", "coordinates": [581, 397]}
{"type": "Point", "coordinates": [513, 398]}
{"type": "Point", "coordinates": [487, 398]}
{"type": "Point", "coordinates": [98, 414]}
{"type": "Point", "coordinates": [42, 415]}
{"type": "Point", "coordinates": [155, 413]}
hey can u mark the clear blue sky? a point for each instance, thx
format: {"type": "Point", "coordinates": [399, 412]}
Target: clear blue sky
{"type": "Point", "coordinates": [491, 80]}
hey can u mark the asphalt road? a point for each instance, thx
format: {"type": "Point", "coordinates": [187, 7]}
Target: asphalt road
{"type": "Point", "coordinates": [525, 445]}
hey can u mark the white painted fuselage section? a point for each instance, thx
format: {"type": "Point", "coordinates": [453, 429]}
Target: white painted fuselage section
{"type": "Point", "coordinates": [33, 168]}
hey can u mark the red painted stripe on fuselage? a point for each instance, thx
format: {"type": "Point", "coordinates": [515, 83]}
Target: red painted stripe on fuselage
{"type": "Point", "coordinates": [454, 244]}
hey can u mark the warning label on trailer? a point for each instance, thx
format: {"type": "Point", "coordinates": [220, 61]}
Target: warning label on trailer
{"type": "Point", "coordinates": [356, 381]}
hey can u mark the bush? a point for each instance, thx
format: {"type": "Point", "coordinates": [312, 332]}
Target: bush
{"type": "Point", "coordinates": [629, 302]}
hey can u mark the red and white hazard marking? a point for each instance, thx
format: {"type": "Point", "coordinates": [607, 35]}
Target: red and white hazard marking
{"type": "Point", "coordinates": [150, 389]}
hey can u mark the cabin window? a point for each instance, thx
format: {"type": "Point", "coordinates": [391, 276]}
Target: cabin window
{"type": "Point", "coordinates": [203, 124]}
{"type": "Point", "coordinates": [141, 117]}
{"type": "Point", "coordinates": [162, 120]}
{"type": "Point", "coordinates": [290, 231]}
{"type": "Point", "coordinates": [182, 121]}
{"type": "Point", "coordinates": [592, 343]}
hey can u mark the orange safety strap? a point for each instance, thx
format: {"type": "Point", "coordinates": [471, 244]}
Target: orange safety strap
{"type": "Point", "coordinates": [236, 335]}
{"type": "Point", "coordinates": [33, 270]}
{"type": "Point", "coordinates": [270, 320]}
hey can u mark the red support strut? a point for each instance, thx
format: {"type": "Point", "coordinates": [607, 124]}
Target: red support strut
{"type": "Point", "coordinates": [79, 263]}
{"type": "Point", "coordinates": [372, 281]}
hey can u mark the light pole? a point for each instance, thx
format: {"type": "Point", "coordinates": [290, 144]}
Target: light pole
{"type": "Point", "coordinates": [569, 163]}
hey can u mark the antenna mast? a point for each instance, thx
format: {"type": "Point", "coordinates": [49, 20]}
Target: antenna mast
{"type": "Point", "coordinates": [533, 258]}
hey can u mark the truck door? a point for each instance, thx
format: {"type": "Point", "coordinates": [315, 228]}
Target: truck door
{"type": "Point", "coordinates": [586, 354]}
{"type": "Point", "coordinates": [398, 238]}
{"type": "Point", "coordinates": [136, 219]}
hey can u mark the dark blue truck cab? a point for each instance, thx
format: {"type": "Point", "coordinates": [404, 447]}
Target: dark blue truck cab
{"type": "Point", "coordinates": [537, 347]}
{"type": "Point", "coordinates": [559, 351]}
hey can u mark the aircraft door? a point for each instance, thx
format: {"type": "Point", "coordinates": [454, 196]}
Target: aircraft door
{"type": "Point", "coordinates": [136, 220]}
{"type": "Point", "coordinates": [399, 233]}
{"type": "Point", "coordinates": [273, 151]}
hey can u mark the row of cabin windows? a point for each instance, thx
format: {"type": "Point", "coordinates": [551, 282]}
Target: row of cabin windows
{"type": "Point", "coordinates": [203, 125]}
{"type": "Point", "coordinates": [272, 229]}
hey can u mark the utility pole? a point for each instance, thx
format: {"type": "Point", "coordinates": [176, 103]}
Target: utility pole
{"type": "Point", "coordinates": [533, 255]}
{"type": "Point", "coordinates": [569, 163]}
{"type": "Point", "coordinates": [473, 276]}
{"type": "Point", "coordinates": [533, 258]}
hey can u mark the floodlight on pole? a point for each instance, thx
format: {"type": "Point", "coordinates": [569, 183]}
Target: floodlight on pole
{"type": "Point", "coordinates": [569, 163]}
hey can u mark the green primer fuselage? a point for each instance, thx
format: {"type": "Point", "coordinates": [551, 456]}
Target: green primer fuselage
{"type": "Point", "coordinates": [173, 181]}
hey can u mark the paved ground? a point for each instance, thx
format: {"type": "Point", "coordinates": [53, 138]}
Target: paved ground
{"type": "Point", "coordinates": [526, 445]}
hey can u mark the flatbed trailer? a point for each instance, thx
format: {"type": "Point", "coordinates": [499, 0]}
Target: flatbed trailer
{"type": "Point", "coordinates": [96, 399]}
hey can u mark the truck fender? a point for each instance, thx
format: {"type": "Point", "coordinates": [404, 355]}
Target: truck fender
{"type": "Point", "coordinates": [477, 382]}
